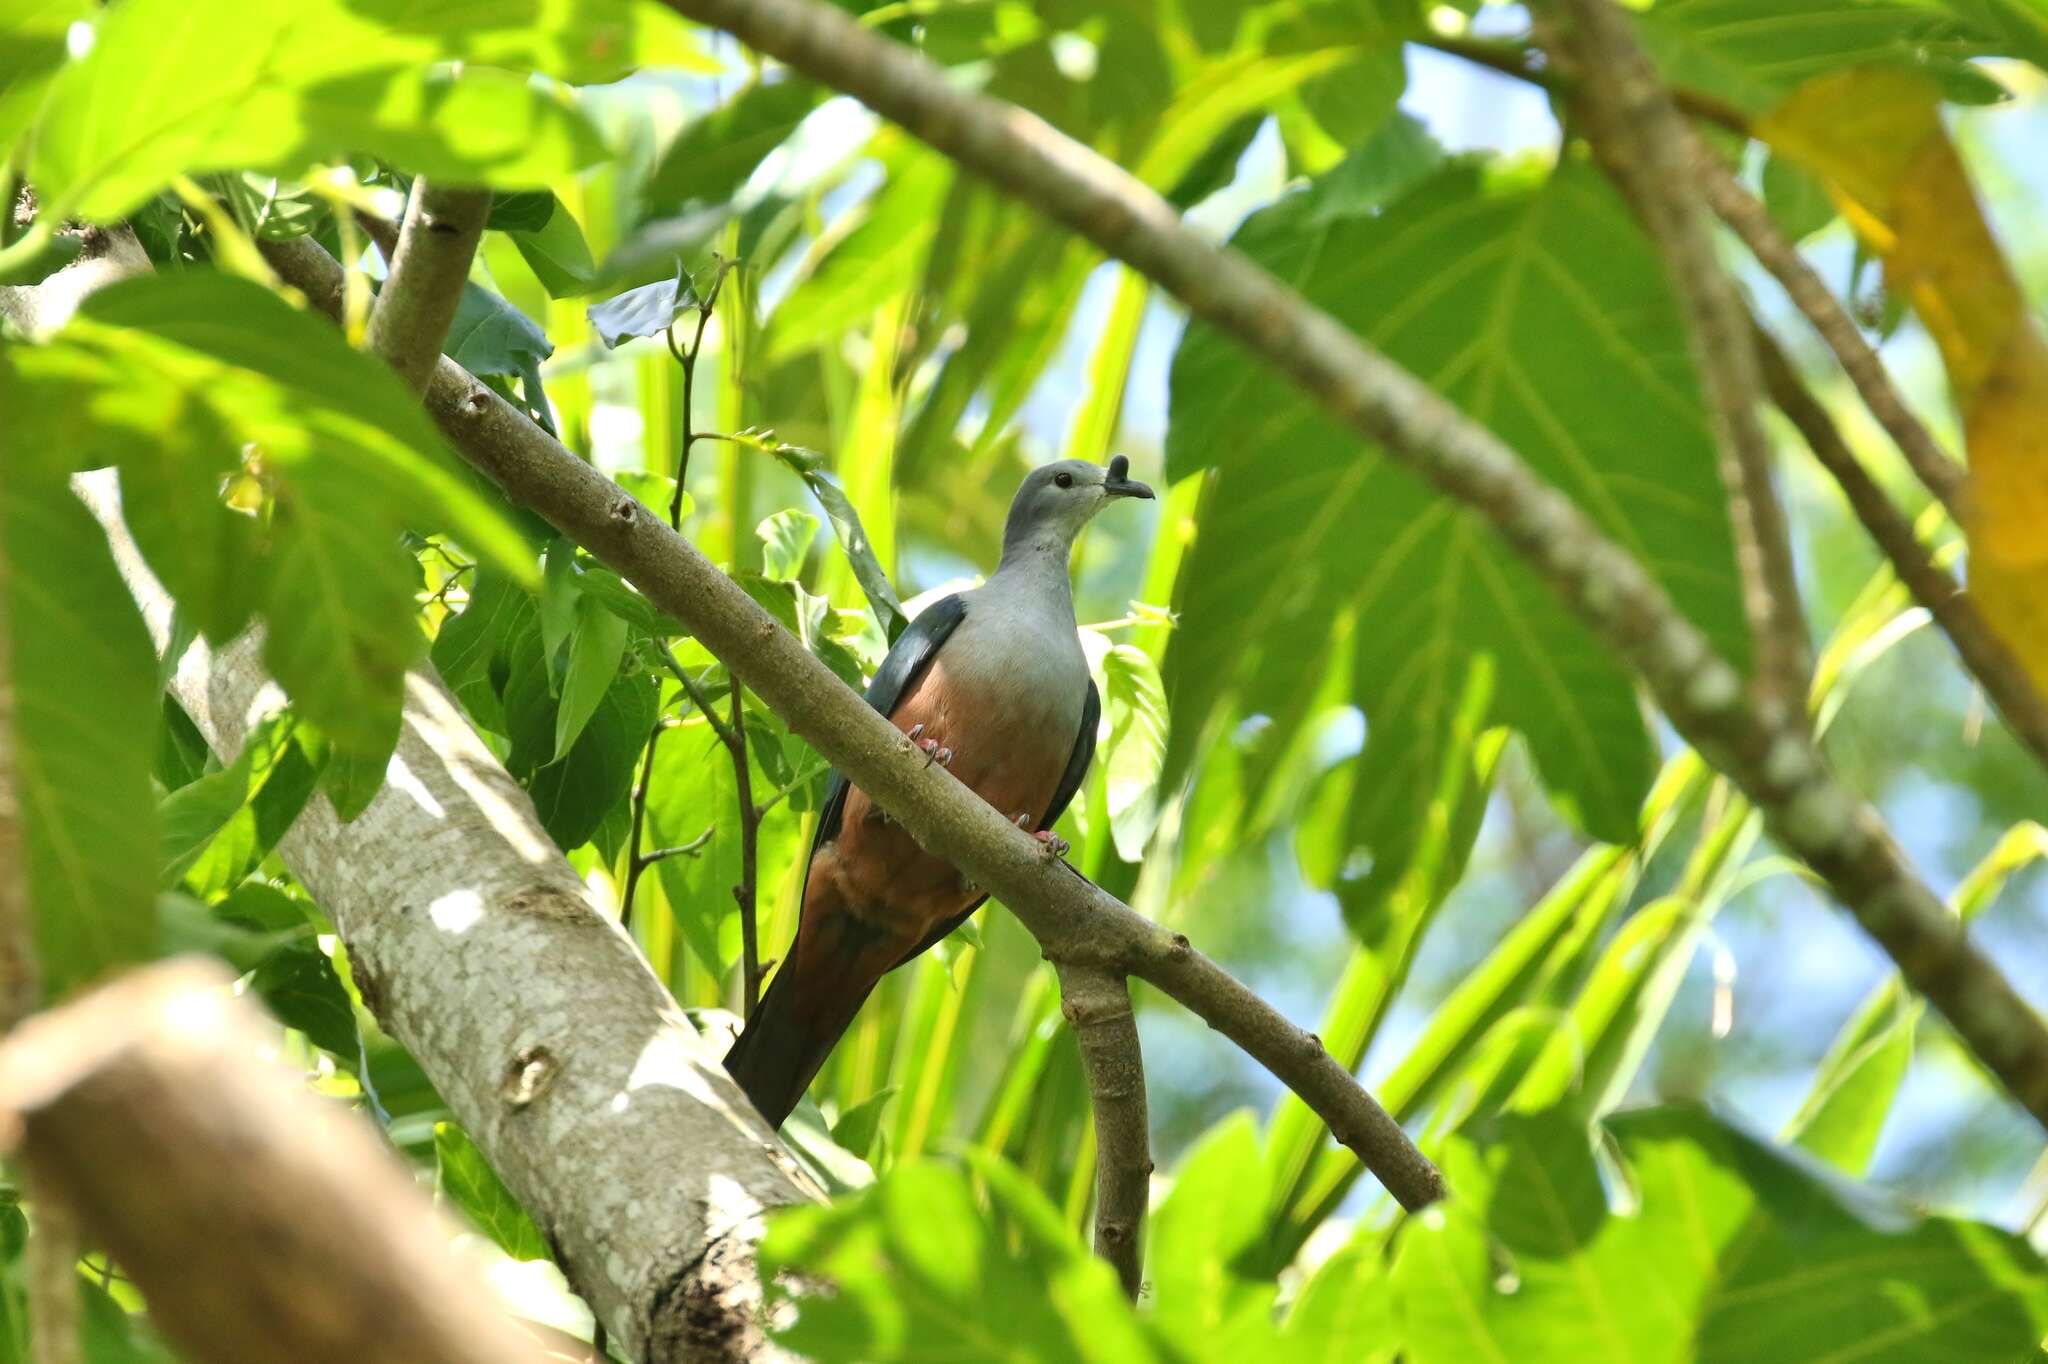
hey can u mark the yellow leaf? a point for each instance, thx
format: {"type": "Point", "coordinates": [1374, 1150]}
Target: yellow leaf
{"type": "Point", "coordinates": [1875, 137]}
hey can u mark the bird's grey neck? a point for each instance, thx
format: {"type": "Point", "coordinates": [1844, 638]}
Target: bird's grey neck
{"type": "Point", "coordinates": [1037, 563]}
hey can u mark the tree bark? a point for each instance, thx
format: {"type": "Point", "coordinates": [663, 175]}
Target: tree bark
{"type": "Point", "coordinates": [476, 946]}
{"type": "Point", "coordinates": [259, 1221]}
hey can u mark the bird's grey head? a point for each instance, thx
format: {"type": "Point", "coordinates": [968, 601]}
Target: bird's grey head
{"type": "Point", "coordinates": [1056, 501]}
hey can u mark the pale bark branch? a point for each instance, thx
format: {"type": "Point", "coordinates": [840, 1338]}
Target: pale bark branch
{"type": "Point", "coordinates": [1748, 219]}
{"type": "Point", "coordinates": [436, 243]}
{"type": "Point", "coordinates": [1097, 1005]}
{"type": "Point", "coordinates": [1642, 141]}
{"type": "Point", "coordinates": [260, 1221]}
{"type": "Point", "coordinates": [477, 947]}
{"type": "Point", "coordinates": [1982, 651]}
{"type": "Point", "coordinates": [1073, 919]}
{"type": "Point", "coordinates": [1813, 816]}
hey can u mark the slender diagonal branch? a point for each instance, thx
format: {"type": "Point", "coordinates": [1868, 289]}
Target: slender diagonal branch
{"type": "Point", "coordinates": [1523, 62]}
{"type": "Point", "coordinates": [1072, 918]}
{"type": "Point", "coordinates": [436, 243]}
{"type": "Point", "coordinates": [2004, 680]}
{"type": "Point", "coordinates": [1641, 139]}
{"type": "Point", "coordinates": [1812, 814]}
{"type": "Point", "coordinates": [1097, 1005]}
{"type": "Point", "coordinates": [1748, 219]}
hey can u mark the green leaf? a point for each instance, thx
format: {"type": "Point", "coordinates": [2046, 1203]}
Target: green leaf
{"type": "Point", "coordinates": [1504, 301]}
{"type": "Point", "coordinates": [714, 156]}
{"type": "Point", "coordinates": [880, 256]}
{"type": "Point", "coordinates": [857, 1126]}
{"type": "Point", "coordinates": [85, 719]}
{"type": "Point", "coordinates": [912, 1268]}
{"type": "Point", "coordinates": [1345, 1314]}
{"type": "Point", "coordinates": [286, 87]}
{"type": "Point", "coordinates": [1211, 1221]}
{"type": "Point", "coordinates": [786, 542]}
{"type": "Point", "coordinates": [522, 211]}
{"type": "Point", "coordinates": [853, 538]}
{"type": "Point", "coordinates": [299, 985]}
{"type": "Point", "coordinates": [558, 255]}
{"type": "Point", "coordinates": [490, 336]}
{"type": "Point", "coordinates": [596, 648]}
{"type": "Point", "coordinates": [1859, 1078]}
{"type": "Point", "coordinates": [573, 793]}
{"type": "Point", "coordinates": [1797, 202]}
{"type": "Point", "coordinates": [194, 813]}
{"type": "Point", "coordinates": [464, 1178]}
{"type": "Point", "coordinates": [30, 56]}
{"type": "Point", "coordinates": [1134, 705]}
{"type": "Point", "coordinates": [192, 378]}
{"type": "Point", "coordinates": [1752, 53]}
{"type": "Point", "coordinates": [1731, 1250]}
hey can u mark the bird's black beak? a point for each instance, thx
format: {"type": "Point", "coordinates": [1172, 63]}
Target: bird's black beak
{"type": "Point", "coordinates": [1117, 485]}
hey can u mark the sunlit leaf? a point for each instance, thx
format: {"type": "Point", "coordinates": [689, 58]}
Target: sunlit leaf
{"type": "Point", "coordinates": [85, 720]}
{"type": "Point", "coordinates": [1505, 301]}
{"type": "Point", "coordinates": [1877, 139]}
{"type": "Point", "coordinates": [464, 1178]}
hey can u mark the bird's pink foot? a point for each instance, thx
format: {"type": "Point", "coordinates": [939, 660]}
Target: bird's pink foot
{"type": "Point", "coordinates": [1054, 844]}
{"type": "Point", "coordinates": [933, 753]}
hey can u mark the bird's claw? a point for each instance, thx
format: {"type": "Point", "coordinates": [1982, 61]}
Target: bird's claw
{"type": "Point", "coordinates": [933, 753]}
{"type": "Point", "coordinates": [1054, 844]}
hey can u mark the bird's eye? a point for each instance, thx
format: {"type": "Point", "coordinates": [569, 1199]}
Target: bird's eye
{"type": "Point", "coordinates": [1064, 480]}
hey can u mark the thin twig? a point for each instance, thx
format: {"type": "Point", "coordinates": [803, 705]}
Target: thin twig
{"type": "Point", "coordinates": [1748, 219]}
{"type": "Point", "coordinates": [429, 267]}
{"type": "Point", "coordinates": [636, 865]}
{"type": "Point", "coordinates": [750, 842]}
{"type": "Point", "coordinates": [1981, 649]}
{"type": "Point", "coordinates": [1641, 140]}
{"type": "Point", "coordinates": [687, 358]}
{"type": "Point", "coordinates": [1097, 1005]}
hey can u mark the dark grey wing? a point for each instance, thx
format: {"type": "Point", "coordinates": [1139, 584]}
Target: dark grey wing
{"type": "Point", "coordinates": [908, 657]}
{"type": "Point", "coordinates": [1062, 797]}
{"type": "Point", "coordinates": [1077, 764]}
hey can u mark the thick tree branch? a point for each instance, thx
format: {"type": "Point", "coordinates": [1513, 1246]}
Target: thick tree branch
{"type": "Point", "coordinates": [1097, 1005]}
{"type": "Point", "coordinates": [430, 265]}
{"type": "Point", "coordinates": [1976, 643]}
{"type": "Point", "coordinates": [1073, 919]}
{"type": "Point", "coordinates": [477, 946]}
{"type": "Point", "coordinates": [1812, 815]}
{"type": "Point", "coordinates": [260, 1221]}
{"type": "Point", "coordinates": [1641, 139]}
{"type": "Point", "coordinates": [1748, 220]}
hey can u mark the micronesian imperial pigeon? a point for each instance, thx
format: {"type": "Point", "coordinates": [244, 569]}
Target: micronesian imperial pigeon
{"type": "Point", "coordinates": [991, 683]}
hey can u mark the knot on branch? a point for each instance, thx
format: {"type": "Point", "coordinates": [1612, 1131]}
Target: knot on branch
{"type": "Point", "coordinates": [529, 1076]}
{"type": "Point", "coordinates": [624, 510]}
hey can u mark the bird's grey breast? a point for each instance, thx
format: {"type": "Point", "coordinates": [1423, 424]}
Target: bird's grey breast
{"type": "Point", "coordinates": [1020, 650]}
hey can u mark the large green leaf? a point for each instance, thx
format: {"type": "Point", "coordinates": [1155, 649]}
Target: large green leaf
{"type": "Point", "coordinates": [1200, 1237]}
{"type": "Point", "coordinates": [1752, 53]}
{"type": "Point", "coordinates": [714, 156]}
{"type": "Point", "coordinates": [914, 1269]}
{"type": "Point", "coordinates": [1543, 313]}
{"type": "Point", "coordinates": [192, 378]}
{"type": "Point", "coordinates": [32, 36]}
{"type": "Point", "coordinates": [1730, 1250]}
{"type": "Point", "coordinates": [85, 721]}
{"type": "Point", "coordinates": [284, 87]}
{"type": "Point", "coordinates": [463, 1177]}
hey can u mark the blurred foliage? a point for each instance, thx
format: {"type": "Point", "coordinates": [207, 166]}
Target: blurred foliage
{"type": "Point", "coordinates": [1349, 743]}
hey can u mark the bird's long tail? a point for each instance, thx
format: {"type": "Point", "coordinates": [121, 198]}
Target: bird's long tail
{"type": "Point", "coordinates": [808, 1005]}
